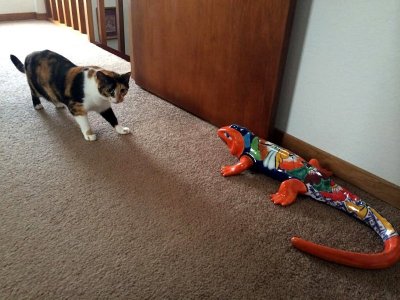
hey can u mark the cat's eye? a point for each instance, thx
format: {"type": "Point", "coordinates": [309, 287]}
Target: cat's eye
{"type": "Point", "coordinates": [123, 91]}
{"type": "Point", "coordinates": [111, 92]}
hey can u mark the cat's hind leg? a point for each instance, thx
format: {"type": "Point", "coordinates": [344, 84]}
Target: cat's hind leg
{"type": "Point", "coordinates": [36, 102]}
{"type": "Point", "coordinates": [35, 99]}
{"type": "Point", "coordinates": [50, 96]}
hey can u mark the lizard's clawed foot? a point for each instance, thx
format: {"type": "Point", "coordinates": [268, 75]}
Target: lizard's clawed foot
{"type": "Point", "coordinates": [227, 171]}
{"type": "Point", "coordinates": [284, 198]}
{"type": "Point", "coordinates": [288, 191]}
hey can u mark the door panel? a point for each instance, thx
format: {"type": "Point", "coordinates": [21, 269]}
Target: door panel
{"type": "Point", "coordinates": [218, 59]}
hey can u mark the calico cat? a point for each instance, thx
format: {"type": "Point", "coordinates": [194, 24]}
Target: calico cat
{"type": "Point", "coordinates": [81, 89]}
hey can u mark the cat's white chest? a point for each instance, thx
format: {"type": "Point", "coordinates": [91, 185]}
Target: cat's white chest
{"type": "Point", "coordinates": [93, 100]}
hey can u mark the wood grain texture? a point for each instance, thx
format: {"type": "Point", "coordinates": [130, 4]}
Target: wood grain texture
{"type": "Point", "coordinates": [17, 16]}
{"type": "Point", "coordinates": [67, 12]}
{"type": "Point", "coordinates": [101, 21]}
{"type": "Point", "coordinates": [23, 16]}
{"type": "Point", "coordinates": [89, 20]}
{"type": "Point", "coordinates": [49, 13]}
{"type": "Point", "coordinates": [74, 14]}
{"type": "Point", "coordinates": [120, 25]}
{"type": "Point", "coordinates": [366, 181]}
{"type": "Point", "coordinates": [220, 60]}
{"type": "Point", "coordinates": [53, 10]}
{"type": "Point", "coordinates": [60, 11]}
{"type": "Point", "coordinates": [81, 16]}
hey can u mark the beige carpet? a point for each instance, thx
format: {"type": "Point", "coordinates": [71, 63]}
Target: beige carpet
{"type": "Point", "coordinates": [147, 215]}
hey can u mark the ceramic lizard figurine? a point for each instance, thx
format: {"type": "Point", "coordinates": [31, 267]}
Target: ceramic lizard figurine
{"type": "Point", "coordinates": [301, 177]}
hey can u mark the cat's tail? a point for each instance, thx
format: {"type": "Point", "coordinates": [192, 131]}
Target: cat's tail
{"type": "Point", "coordinates": [17, 63]}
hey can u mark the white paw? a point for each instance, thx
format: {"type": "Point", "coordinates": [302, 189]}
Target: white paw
{"type": "Point", "coordinates": [90, 137]}
{"type": "Point", "coordinates": [38, 106]}
{"type": "Point", "coordinates": [59, 105]}
{"type": "Point", "coordinates": [122, 130]}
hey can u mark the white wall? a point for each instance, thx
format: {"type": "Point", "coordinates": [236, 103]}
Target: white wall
{"type": "Point", "coordinates": [341, 88]}
{"type": "Point", "coordinates": [22, 6]}
{"type": "Point", "coordinates": [40, 6]}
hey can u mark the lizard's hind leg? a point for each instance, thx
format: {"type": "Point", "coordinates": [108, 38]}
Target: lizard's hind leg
{"type": "Point", "coordinates": [316, 164]}
{"type": "Point", "coordinates": [288, 191]}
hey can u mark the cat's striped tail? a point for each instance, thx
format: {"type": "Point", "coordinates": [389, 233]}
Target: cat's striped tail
{"type": "Point", "coordinates": [17, 63]}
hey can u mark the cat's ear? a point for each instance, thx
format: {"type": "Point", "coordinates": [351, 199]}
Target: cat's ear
{"type": "Point", "coordinates": [103, 77]}
{"type": "Point", "coordinates": [126, 77]}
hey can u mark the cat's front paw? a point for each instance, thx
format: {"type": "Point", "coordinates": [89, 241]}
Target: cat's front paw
{"type": "Point", "coordinates": [122, 130]}
{"type": "Point", "coordinates": [59, 105]}
{"type": "Point", "coordinates": [90, 137]}
{"type": "Point", "coordinates": [38, 106]}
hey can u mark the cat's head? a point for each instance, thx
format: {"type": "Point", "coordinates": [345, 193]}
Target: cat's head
{"type": "Point", "coordinates": [113, 85]}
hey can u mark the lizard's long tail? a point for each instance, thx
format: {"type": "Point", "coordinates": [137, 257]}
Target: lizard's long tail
{"type": "Point", "coordinates": [389, 256]}
{"type": "Point", "coordinates": [358, 209]}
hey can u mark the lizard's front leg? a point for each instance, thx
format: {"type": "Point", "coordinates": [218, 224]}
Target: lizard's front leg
{"type": "Point", "coordinates": [288, 191]}
{"type": "Point", "coordinates": [243, 164]}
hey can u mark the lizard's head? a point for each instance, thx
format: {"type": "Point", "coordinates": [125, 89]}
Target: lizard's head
{"type": "Point", "coordinates": [233, 136]}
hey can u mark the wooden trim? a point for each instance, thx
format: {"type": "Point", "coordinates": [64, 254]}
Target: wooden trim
{"type": "Point", "coordinates": [17, 16]}
{"type": "Point", "coordinates": [81, 16]}
{"type": "Point", "coordinates": [67, 13]}
{"type": "Point", "coordinates": [48, 8]}
{"type": "Point", "coordinates": [133, 75]}
{"type": "Point", "coordinates": [120, 26]}
{"type": "Point", "coordinates": [89, 20]}
{"type": "Point", "coordinates": [364, 180]}
{"type": "Point", "coordinates": [74, 14]}
{"type": "Point", "coordinates": [43, 16]}
{"type": "Point", "coordinates": [53, 8]}
{"type": "Point", "coordinates": [101, 22]}
{"type": "Point", "coordinates": [60, 11]}
{"type": "Point", "coordinates": [23, 16]}
{"type": "Point", "coordinates": [113, 51]}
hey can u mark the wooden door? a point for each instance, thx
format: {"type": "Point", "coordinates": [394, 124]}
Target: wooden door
{"type": "Point", "coordinates": [221, 60]}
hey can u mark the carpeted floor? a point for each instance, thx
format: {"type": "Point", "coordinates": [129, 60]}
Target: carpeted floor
{"type": "Point", "coordinates": [147, 215]}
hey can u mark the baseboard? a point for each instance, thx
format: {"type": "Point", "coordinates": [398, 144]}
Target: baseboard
{"type": "Point", "coordinates": [43, 16]}
{"type": "Point", "coordinates": [23, 16]}
{"type": "Point", "coordinates": [376, 186]}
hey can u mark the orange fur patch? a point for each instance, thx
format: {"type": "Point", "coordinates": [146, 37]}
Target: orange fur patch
{"type": "Point", "coordinates": [91, 73]}
{"type": "Point", "coordinates": [70, 79]}
{"type": "Point", "coordinates": [77, 109]}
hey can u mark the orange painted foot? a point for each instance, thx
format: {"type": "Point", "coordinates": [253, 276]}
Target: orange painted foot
{"type": "Point", "coordinates": [243, 164]}
{"type": "Point", "coordinates": [315, 163]}
{"type": "Point", "coordinates": [288, 191]}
